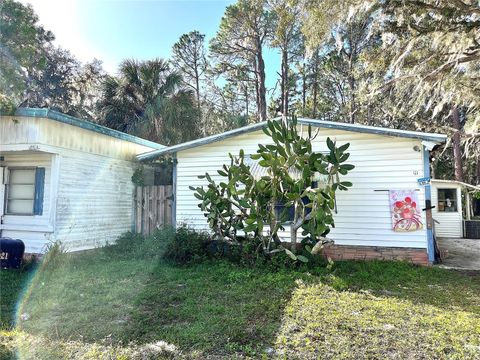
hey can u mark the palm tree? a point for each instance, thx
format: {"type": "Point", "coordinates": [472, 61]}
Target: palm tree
{"type": "Point", "coordinates": [148, 99]}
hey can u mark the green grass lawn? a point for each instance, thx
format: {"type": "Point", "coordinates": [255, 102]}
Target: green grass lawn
{"type": "Point", "coordinates": [11, 285]}
{"type": "Point", "coordinates": [110, 304]}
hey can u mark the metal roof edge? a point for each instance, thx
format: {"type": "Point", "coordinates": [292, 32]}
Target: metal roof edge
{"type": "Point", "coordinates": [198, 142]}
{"type": "Point", "coordinates": [441, 138]}
{"type": "Point", "coordinates": [461, 183]}
{"type": "Point", "coordinates": [85, 124]}
{"type": "Point", "coordinates": [437, 138]}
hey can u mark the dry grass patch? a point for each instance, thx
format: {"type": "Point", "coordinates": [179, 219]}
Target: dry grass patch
{"type": "Point", "coordinates": [321, 322]}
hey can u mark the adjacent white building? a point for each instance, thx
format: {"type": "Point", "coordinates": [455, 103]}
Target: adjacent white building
{"type": "Point", "coordinates": [65, 179]}
{"type": "Point", "coordinates": [384, 159]}
{"type": "Point", "coordinates": [447, 213]}
{"type": "Point", "coordinates": [452, 201]}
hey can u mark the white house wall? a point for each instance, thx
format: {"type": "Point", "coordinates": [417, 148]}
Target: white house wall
{"type": "Point", "coordinates": [382, 163]}
{"type": "Point", "coordinates": [36, 133]}
{"type": "Point", "coordinates": [95, 200]}
{"type": "Point", "coordinates": [93, 195]}
{"type": "Point", "coordinates": [450, 224]}
{"type": "Point", "coordinates": [15, 130]}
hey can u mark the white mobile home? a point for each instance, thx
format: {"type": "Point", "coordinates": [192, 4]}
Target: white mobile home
{"type": "Point", "coordinates": [65, 179]}
{"type": "Point", "coordinates": [385, 160]}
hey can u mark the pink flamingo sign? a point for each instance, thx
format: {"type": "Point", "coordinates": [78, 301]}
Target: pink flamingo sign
{"type": "Point", "coordinates": [405, 212]}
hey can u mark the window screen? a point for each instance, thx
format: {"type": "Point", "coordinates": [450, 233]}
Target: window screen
{"type": "Point", "coordinates": [447, 200]}
{"type": "Point", "coordinates": [20, 191]}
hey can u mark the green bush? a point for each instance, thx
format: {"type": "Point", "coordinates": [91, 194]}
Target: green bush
{"type": "Point", "coordinates": [159, 240]}
{"type": "Point", "coordinates": [187, 247]}
{"type": "Point", "coordinates": [136, 245]}
{"type": "Point", "coordinates": [276, 261]}
{"type": "Point", "coordinates": [127, 245]}
{"type": "Point", "coordinates": [7, 106]}
{"type": "Point", "coordinates": [238, 201]}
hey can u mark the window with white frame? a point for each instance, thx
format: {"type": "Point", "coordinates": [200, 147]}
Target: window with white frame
{"type": "Point", "coordinates": [24, 191]}
{"type": "Point", "coordinates": [447, 200]}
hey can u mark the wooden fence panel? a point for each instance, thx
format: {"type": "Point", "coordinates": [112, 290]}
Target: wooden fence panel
{"type": "Point", "coordinates": [153, 208]}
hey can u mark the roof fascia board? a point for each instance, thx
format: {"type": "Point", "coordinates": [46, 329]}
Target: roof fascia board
{"type": "Point", "coordinates": [199, 142]}
{"type": "Point", "coordinates": [437, 138]}
{"type": "Point", "coordinates": [440, 138]}
{"type": "Point", "coordinates": [470, 186]}
{"type": "Point", "coordinates": [84, 124]}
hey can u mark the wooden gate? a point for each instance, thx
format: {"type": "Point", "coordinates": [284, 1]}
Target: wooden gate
{"type": "Point", "coordinates": [153, 208]}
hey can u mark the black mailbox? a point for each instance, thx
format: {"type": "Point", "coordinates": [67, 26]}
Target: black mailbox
{"type": "Point", "coordinates": [11, 253]}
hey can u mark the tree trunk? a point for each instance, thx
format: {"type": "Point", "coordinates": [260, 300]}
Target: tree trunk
{"type": "Point", "coordinates": [315, 84]}
{"type": "Point", "coordinates": [432, 169]}
{"type": "Point", "coordinates": [294, 228]}
{"type": "Point", "coordinates": [284, 82]}
{"type": "Point", "coordinates": [273, 223]}
{"type": "Point", "coordinates": [304, 90]}
{"type": "Point", "coordinates": [478, 171]}
{"type": "Point", "coordinates": [457, 150]}
{"type": "Point", "coordinates": [257, 90]}
{"type": "Point", "coordinates": [246, 100]}
{"type": "Point", "coordinates": [351, 83]}
{"type": "Point", "coordinates": [314, 110]}
{"type": "Point", "coordinates": [262, 92]}
{"type": "Point", "coordinates": [197, 91]}
{"type": "Point", "coordinates": [293, 237]}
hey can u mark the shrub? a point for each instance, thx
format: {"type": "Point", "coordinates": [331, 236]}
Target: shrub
{"type": "Point", "coordinates": [219, 249]}
{"type": "Point", "coordinates": [136, 245]}
{"type": "Point", "coordinates": [7, 106]}
{"type": "Point", "coordinates": [126, 245]}
{"type": "Point", "coordinates": [298, 189]}
{"type": "Point", "coordinates": [159, 240]}
{"type": "Point", "coordinates": [187, 246]}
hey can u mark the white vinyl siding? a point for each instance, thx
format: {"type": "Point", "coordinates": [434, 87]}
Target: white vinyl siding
{"type": "Point", "coordinates": [95, 200]}
{"type": "Point", "coordinates": [39, 134]}
{"type": "Point", "coordinates": [363, 218]}
{"type": "Point", "coordinates": [448, 223]}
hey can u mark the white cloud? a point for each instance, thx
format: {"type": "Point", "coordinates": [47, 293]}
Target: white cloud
{"type": "Point", "coordinates": [64, 19]}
